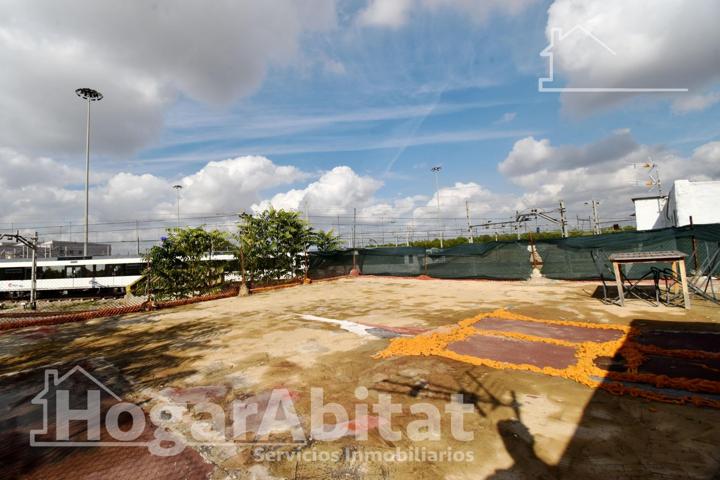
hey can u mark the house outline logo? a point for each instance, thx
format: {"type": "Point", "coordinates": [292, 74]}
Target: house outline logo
{"type": "Point", "coordinates": [557, 35]}
{"type": "Point", "coordinates": [53, 381]}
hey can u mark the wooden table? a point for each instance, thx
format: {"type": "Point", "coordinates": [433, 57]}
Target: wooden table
{"type": "Point", "coordinates": [674, 257]}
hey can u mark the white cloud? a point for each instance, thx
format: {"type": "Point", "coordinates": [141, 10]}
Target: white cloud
{"type": "Point", "coordinates": [139, 55]}
{"type": "Point", "coordinates": [607, 170]}
{"type": "Point", "coordinates": [386, 13]}
{"type": "Point", "coordinates": [396, 13]}
{"type": "Point", "coordinates": [54, 193]}
{"type": "Point", "coordinates": [657, 44]}
{"type": "Point", "coordinates": [544, 174]}
{"type": "Point", "coordinates": [19, 171]}
{"type": "Point", "coordinates": [336, 192]}
{"type": "Point", "coordinates": [695, 103]}
{"type": "Point", "coordinates": [234, 184]}
{"type": "Point", "coordinates": [529, 156]}
{"type": "Point", "coordinates": [506, 117]}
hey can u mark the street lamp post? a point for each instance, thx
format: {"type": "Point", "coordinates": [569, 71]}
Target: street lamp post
{"type": "Point", "coordinates": [91, 96]}
{"type": "Point", "coordinates": [436, 170]}
{"type": "Point", "coordinates": [177, 189]}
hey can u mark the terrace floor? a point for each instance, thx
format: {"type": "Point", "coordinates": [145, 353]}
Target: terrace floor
{"type": "Point", "coordinates": [526, 423]}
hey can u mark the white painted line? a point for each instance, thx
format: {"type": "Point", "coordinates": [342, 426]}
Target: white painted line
{"type": "Point", "coordinates": [352, 327]}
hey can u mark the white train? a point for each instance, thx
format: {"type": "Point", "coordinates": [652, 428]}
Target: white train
{"type": "Point", "coordinates": [108, 275]}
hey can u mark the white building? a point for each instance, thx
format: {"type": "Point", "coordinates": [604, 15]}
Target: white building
{"type": "Point", "coordinates": [688, 202]}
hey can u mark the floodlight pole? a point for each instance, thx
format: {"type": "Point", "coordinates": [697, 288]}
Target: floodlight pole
{"type": "Point", "coordinates": [91, 96]}
{"type": "Point", "coordinates": [436, 170]}
{"type": "Point", "coordinates": [177, 189]}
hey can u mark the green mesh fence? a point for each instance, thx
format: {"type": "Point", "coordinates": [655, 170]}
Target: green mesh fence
{"type": "Point", "coordinates": [400, 261]}
{"type": "Point", "coordinates": [330, 264]}
{"type": "Point", "coordinates": [576, 258]}
{"type": "Point", "coordinates": [580, 258]}
{"type": "Point", "coordinates": [493, 260]}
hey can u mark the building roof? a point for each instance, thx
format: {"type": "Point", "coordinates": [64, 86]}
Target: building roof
{"type": "Point", "coordinates": [649, 197]}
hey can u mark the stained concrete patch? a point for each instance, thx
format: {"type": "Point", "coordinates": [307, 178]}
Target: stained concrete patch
{"type": "Point", "coordinates": [571, 333]}
{"type": "Point", "coordinates": [510, 350]}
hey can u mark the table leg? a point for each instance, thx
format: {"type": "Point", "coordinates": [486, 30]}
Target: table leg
{"type": "Point", "coordinates": [683, 280]}
{"type": "Point", "coordinates": [619, 283]}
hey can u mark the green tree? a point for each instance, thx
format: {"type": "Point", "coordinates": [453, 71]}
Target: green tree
{"type": "Point", "coordinates": [326, 241]}
{"type": "Point", "coordinates": [274, 244]}
{"type": "Point", "coordinates": [179, 267]}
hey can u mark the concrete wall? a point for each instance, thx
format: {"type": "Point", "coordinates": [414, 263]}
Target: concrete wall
{"type": "Point", "coordinates": [648, 212]}
{"type": "Point", "coordinates": [701, 200]}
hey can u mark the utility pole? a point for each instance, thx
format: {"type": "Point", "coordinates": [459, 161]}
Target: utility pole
{"type": "Point", "coordinates": [467, 214]}
{"type": "Point", "coordinates": [595, 219]}
{"type": "Point", "coordinates": [137, 234]}
{"type": "Point", "coordinates": [436, 170]}
{"type": "Point", "coordinates": [382, 230]}
{"type": "Point", "coordinates": [243, 290]}
{"type": "Point", "coordinates": [354, 228]}
{"type": "Point", "coordinates": [91, 96]}
{"type": "Point", "coordinates": [563, 220]}
{"type": "Point", "coordinates": [31, 244]}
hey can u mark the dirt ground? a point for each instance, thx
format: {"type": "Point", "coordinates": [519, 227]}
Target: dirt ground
{"type": "Point", "coordinates": [525, 425]}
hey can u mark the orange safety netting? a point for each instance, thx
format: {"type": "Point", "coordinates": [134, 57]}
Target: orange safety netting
{"type": "Point", "coordinates": [584, 370]}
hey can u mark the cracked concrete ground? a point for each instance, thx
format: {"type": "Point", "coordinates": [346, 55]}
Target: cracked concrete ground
{"type": "Point", "coordinates": [525, 425]}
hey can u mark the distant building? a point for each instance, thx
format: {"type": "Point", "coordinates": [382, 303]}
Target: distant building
{"type": "Point", "coordinates": [10, 250]}
{"type": "Point", "coordinates": [60, 248]}
{"type": "Point", "coordinates": [687, 200]}
{"type": "Point", "coordinates": [54, 248]}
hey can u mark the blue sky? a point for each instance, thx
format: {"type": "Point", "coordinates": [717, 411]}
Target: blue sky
{"type": "Point", "coordinates": [440, 91]}
{"type": "Point", "coordinates": [332, 105]}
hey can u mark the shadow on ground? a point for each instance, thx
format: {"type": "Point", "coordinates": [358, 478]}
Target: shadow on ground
{"type": "Point", "coordinates": [618, 436]}
{"type": "Point", "coordinates": [123, 359]}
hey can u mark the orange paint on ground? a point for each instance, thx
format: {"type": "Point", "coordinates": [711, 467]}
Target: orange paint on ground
{"type": "Point", "coordinates": [584, 371]}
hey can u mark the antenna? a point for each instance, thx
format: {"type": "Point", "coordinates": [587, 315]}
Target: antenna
{"type": "Point", "coordinates": [653, 173]}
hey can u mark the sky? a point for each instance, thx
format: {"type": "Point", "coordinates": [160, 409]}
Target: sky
{"type": "Point", "coordinates": [328, 107]}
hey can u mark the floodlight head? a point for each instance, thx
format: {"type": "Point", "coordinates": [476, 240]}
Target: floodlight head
{"type": "Point", "coordinates": [89, 94]}
{"type": "Point", "coordinates": [436, 169]}
{"type": "Point", "coordinates": [177, 187]}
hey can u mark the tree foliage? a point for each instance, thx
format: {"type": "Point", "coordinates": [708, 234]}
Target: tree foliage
{"type": "Point", "coordinates": [272, 246]}
{"type": "Point", "coordinates": [179, 267]}
{"type": "Point", "coordinates": [275, 243]}
{"type": "Point", "coordinates": [326, 241]}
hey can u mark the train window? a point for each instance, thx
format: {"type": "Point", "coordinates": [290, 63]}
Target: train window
{"type": "Point", "coordinates": [78, 271]}
{"type": "Point", "coordinates": [17, 273]}
{"type": "Point", "coordinates": [102, 270]}
{"type": "Point", "coordinates": [134, 269]}
{"type": "Point", "coordinates": [51, 272]}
